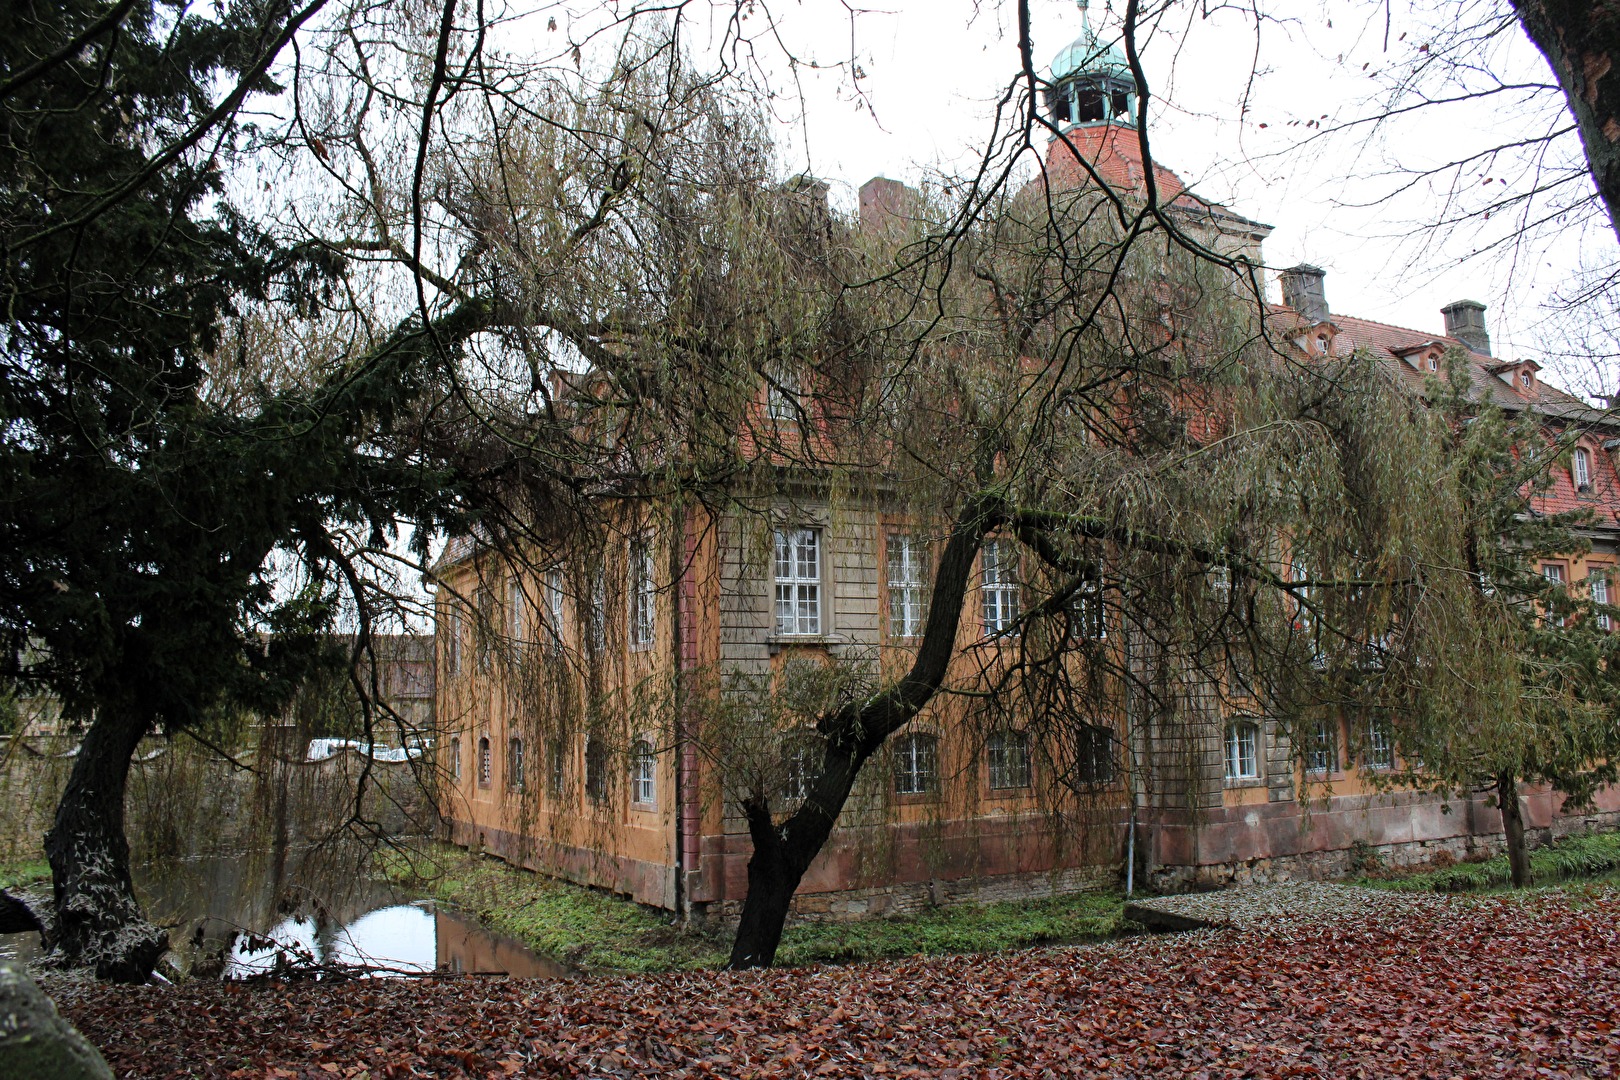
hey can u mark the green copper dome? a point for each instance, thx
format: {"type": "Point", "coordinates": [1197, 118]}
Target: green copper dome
{"type": "Point", "coordinates": [1091, 82]}
{"type": "Point", "coordinates": [1086, 55]}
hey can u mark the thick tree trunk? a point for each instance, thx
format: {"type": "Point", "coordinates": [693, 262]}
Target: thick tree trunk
{"type": "Point", "coordinates": [771, 885]}
{"type": "Point", "coordinates": [97, 922]}
{"type": "Point", "coordinates": [1507, 797]}
{"type": "Point", "coordinates": [1581, 40]}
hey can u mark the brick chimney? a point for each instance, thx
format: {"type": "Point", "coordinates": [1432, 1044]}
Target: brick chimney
{"type": "Point", "coordinates": [1465, 321]}
{"type": "Point", "coordinates": [1302, 290]}
{"type": "Point", "coordinates": [883, 201]}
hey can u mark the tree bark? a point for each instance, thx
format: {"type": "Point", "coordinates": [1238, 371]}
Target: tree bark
{"type": "Point", "coordinates": [783, 852]}
{"type": "Point", "coordinates": [1581, 41]}
{"type": "Point", "coordinates": [1507, 797]}
{"type": "Point", "coordinates": [97, 922]}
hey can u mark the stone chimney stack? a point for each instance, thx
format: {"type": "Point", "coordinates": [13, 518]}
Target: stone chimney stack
{"type": "Point", "coordinates": [1302, 290]}
{"type": "Point", "coordinates": [1465, 321]}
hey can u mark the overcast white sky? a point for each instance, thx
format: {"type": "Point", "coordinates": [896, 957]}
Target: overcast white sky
{"type": "Point", "coordinates": [931, 70]}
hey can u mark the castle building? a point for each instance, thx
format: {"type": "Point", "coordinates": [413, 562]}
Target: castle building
{"type": "Point", "coordinates": [682, 600]}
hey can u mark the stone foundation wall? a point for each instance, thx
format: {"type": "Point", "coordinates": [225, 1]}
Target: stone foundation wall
{"type": "Point", "coordinates": [1358, 859]}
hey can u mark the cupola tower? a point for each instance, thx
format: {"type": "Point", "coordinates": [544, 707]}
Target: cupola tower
{"type": "Point", "coordinates": [1091, 82]}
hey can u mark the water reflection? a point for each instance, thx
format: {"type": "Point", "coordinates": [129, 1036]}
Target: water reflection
{"type": "Point", "coordinates": [244, 917]}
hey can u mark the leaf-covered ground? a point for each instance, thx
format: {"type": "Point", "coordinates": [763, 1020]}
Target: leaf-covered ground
{"type": "Point", "coordinates": [1501, 986]}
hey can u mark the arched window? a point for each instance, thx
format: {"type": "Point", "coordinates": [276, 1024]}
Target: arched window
{"type": "Point", "coordinates": [1581, 469]}
{"type": "Point", "coordinates": [596, 773]}
{"type": "Point", "coordinates": [484, 764]}
{"type": "Point", "coordinates": [455, 756]}
{"type": "Point", "coordinates": [643, 773]}
{"type": "Point", "coordinates": [916, 764]}
{"type": "Point", "coordinates": [514, 763]}
{"type": "Point", "coordinates": [1009, 760]}
{"type": "Point", "coordinates": [1243, 750]}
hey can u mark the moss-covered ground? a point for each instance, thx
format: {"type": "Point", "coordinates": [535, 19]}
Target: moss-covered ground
{"type": "Point", "coordinates": [593, 930]}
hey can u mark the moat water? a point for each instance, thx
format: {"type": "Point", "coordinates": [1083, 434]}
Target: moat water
{"type": "Point", "coordinates": [256, 914]}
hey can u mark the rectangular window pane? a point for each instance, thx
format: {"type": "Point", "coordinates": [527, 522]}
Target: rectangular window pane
{"type": "Point", "coordinates": [798, 581]}
{"type": "Point", "coordinates": [554, 607]}
{"type": "Point", "coordinates": [1000, 586]}
{"type": "Point", "coordinates": [643, 594]}
{"type": "Point", "coordinates": [1600, 595]}
{"type": "Point", "coordinates": [907, 607]}
{"type": "Point", "coordinates": [1242, 752]}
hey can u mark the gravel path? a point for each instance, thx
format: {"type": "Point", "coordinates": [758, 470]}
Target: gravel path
{"type": "Point", "coordinates": [1285, 906]}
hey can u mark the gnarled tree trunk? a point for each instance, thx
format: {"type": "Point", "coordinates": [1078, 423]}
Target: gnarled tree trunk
{"type": "Point", "coordinates": [1507, 797]}
{"type": "Point", "coordinates": [97, 922]}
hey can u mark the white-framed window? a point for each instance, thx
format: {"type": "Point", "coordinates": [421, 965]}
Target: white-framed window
{"type": "Point", "coordinates": [643, 773]}
{"type": "Point", "coordinates": [908, 573]}
{"type": "Point", "coordinates": [1581, 469]}
{"type": "Point", "coordinates": [455, 756]}
{"type": "Point", "coordinates": [1088, 617]}
{"type": "Point", "coordinates": [1321, 747]}
{"type": "Point", "coordinates": [1554, 573]}
{"type": "Point", "coordinates": [798, 582]}
{"type": "Point", "coordinates": [451, 636]}
{"type": "Point", "coordinates": [801, 757]}
{"type": "Point", "coordinates": [596, 769]}
{"type": "Point", "coordinates": [1243, 750]}
{"type": "Point", "coordinates": [1597, 583]}
{"type": "Point", "coordinates": [486, 767]}
{"type": "Point", "coordinates": [516, 613]}
{"type": "Point", "coordinates": [597, 617]}
{"type": "Point", "coordinates": [782, 397]}
{"type": "Point", "coordinates": [487, 626]}
{"type": "Point", "coordinates": [1219, 580]}
{"type": "Point", "coordinates": [1304, 597]}
{"type": "Point", "coordinates": [555, 584]}
{"type": "Point", "coordinates": [514, 763]}
{"type": "Point", "coordinates": [1000, 589]}
{"type": "Point", "coordinates": [916, 764]}
{"type": "Point", "coordinates": [1008, 752]}
{"type": "Point", "coordinates": [643, 593]}
{"type": "Point", "coordinates": [1380, 743]}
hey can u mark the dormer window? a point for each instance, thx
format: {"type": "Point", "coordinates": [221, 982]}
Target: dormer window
{"type": "Point", "coordinates": [1581, 469]}
{"type": "Point", "coordinates": [1525, 379]}
{"type": "Point", "coordinates": [1434, 362]}
{"type": "Point", "coordinates": [1323, 345]}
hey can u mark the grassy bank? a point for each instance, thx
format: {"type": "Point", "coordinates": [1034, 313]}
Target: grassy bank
{"type": "Point", "coordinates": [16, 873]}
{"type": "Point", "coordinates": [1570, 859]}
{"type": "Point", "coordinates": [592, 930]}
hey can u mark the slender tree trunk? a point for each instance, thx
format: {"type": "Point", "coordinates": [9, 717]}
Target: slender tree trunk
{"type": "Point", "coordinates": [1581, 40]}
{"type": "Point", "coordinates": [97, 922]}
{"type": "Point", "coordinates": [783, 852]}
{"type": "Point", "coordinates": [1507, 797]}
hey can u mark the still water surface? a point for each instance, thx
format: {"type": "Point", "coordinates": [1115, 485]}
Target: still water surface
{"type": "Point", "coordinates": [249, 914]}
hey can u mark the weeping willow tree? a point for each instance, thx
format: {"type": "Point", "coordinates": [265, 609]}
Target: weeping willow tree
{"type": "Point", "coordinates": [1514, 681]}
{"type": "Point", "coordinates": [650, 320]}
